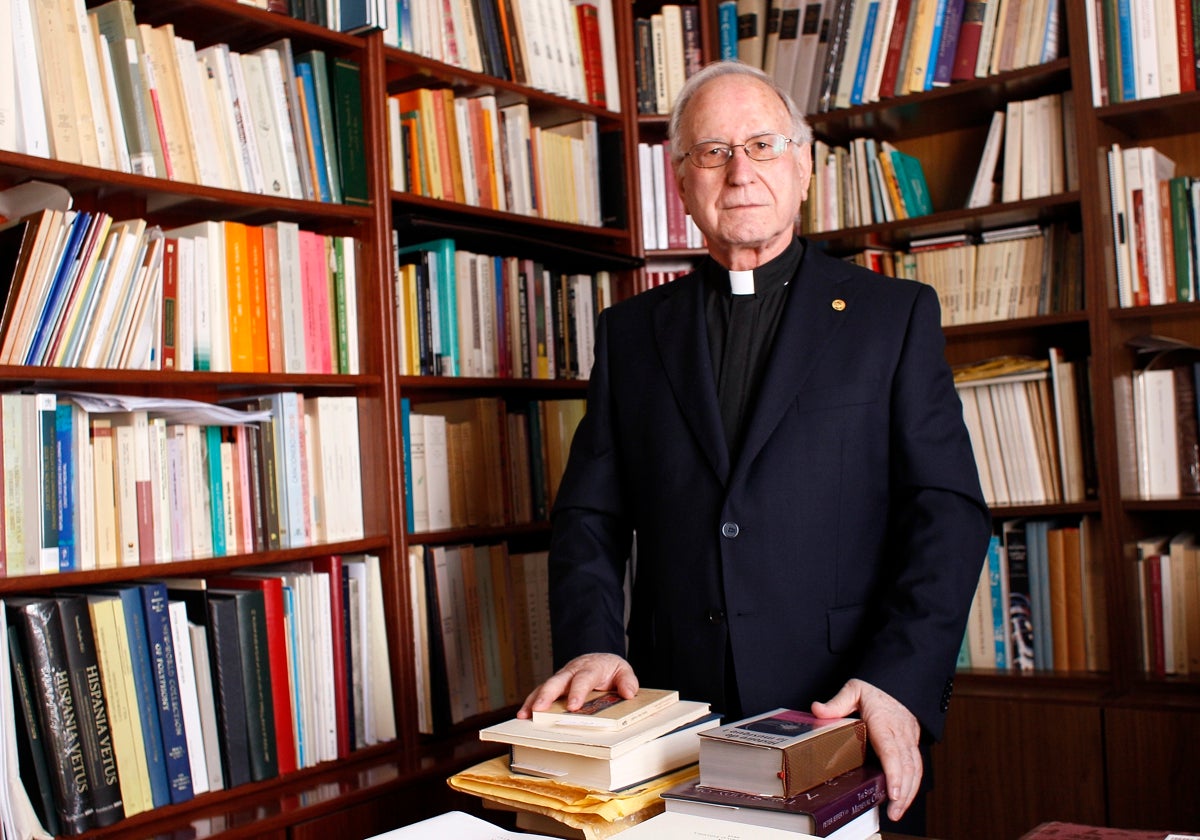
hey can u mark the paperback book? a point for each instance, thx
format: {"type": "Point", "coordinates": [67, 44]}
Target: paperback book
{"type": "Point", "coordinates": [606, 710]}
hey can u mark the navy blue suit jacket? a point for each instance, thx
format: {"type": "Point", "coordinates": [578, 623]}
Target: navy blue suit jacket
{"type": "Point", "coordinates": [844, 541]}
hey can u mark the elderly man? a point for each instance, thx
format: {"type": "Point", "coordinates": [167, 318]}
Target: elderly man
{"type": "Point", "coordinates": [780, 431]}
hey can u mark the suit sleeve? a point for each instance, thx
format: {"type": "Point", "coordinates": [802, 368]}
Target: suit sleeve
{"type": "Point", "coordinates": [592, 534]}
{"type": "Point", "coordinates": [938, 529]}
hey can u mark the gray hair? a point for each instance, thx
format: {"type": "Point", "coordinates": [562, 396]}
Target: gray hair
{"type": "Point", "coordinates": [801, 131]}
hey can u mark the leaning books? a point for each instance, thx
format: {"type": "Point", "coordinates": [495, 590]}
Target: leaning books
{"type": "Point", "coordinates": [842, 808]}
{"type": "Point", "coordinates": [781, 752]}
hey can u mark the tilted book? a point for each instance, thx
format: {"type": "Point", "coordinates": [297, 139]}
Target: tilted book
{"type": "Point", "coordinates": [822, 811]}
{"type": "Point", "coordinates": [781, 752]}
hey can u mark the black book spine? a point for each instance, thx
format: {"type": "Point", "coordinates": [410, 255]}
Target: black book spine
{"type": "Point", "coordinates": [226, 658]}
{"type": "Point", "coordinates": [42, 636]}
{"type": "Point", "coordinates": [256, 677]}
{"type": "Point", "coordinates": [31, 746]}
{"type": "Point", "coordinates": [92, 708]}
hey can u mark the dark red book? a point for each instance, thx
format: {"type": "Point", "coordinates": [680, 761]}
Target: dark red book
{"type": "Point", "coordinates": [969, 34]}
{"type": "Point", "coordinates": [1074, 831]}
{"type": "Point", "coordinates": [895, 50]}
{"type": "Point", "coordinates": [332, 566]}
{"type": "Point", "coordinates": [170, 302]}
{"type": "Point", "coordinates": [588, 18]}
{"type": "Point", "coordinates": [281, 688]}
{"type": "Point", "coordinates": [819, 811]}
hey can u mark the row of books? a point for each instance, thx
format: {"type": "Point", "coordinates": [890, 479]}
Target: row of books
{"type": "Point", "coordinates": [661, 272]}
{"type": "Point", "coordinates": [667, 51]}
{"type": "Point", "coordinates": [86, 290]}
{"type": "Point", "coordinates": [1139, 49]}
{"type": "Point", "coordinates": [92, 484]}
{"type": "Point", "coordinates": [1155, 227]}
{"type": "Point", "coordinates": [1166, 418]}
{"type": "Point", "coordinates": [97, 88]}
{"type": "Point", "coordinates": [462, 313]}
{"type": "Point", "coordinates": [480, 462]}
{"type": "Point", "coordinates": [839, 53]}
{"type": "Point", "coordinates": [1029, 152]}
{"type": "Point", "coordinates": [136, 696]}
{"type": "Point", "coordinates": [1002, 274]}
{"type": "Point", "coordinates": [1168, 581]}
{"type": "Point", "coordinates": [1039, 604]}
{"type": "Point", "coordinates": [481, 625]}
{"type": "Point", "coordinates": [1029, 421]}
{"type": "Point", "coordinates": [566, 47]}
{"type": "Point", "coordinates": [469, 150]}
{"type": "Point", "coordinates": [866, 183]}
{"type": "Point", "coordinates": [665, 221]}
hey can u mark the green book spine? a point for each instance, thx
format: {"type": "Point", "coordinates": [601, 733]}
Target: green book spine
{"type": "Point", "coordinates": [346, 84]}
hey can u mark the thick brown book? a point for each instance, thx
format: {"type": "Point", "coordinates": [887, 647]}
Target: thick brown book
{"type": "Point", "coordinates": [1074, 831]}
{"type": "Point", "coordinates": [781, 752]}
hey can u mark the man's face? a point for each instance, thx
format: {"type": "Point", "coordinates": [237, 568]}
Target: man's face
{"type": "Point", "coordinates": [746, 208]}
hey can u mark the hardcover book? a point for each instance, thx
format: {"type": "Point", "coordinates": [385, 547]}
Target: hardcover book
{"type": "Point", "coordinates": [781, 752]}
{"type": "Point", "coordinates": [827, 810]}
{"type": "Point", "coordinates": [607, 710]}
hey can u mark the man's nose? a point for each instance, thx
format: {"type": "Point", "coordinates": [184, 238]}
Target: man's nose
{"type": "Point", "coordinates": [740, 168]}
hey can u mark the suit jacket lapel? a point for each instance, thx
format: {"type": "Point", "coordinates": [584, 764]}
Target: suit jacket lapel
{"type": "Point", "coordinates": [809, 318]}
{"type": "Point", "coordinates": [682, 337]}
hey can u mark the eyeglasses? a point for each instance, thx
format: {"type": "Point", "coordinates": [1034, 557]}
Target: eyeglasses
{"type": "Point", "coordinates": [761, 147]}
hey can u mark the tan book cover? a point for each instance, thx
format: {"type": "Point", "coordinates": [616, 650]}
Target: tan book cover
{"type": "Point", "coordinates": [782, 752]}
{"type": "Point", "coordinates": [607, 710]}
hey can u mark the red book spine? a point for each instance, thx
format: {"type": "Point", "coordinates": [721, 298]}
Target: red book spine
{"type": "Point", "coordinates": [676, 214]}
{"type": "Point", "coordinates": [968, 40]}
{"type": "Point", "coordinates": [895, 50]}
{"type": "Point", "coordinates": [593, 63]}
{"type": "Point", "coordinates": [1187, 50]}
{"type": "Point", "coordinates": [170, 304]}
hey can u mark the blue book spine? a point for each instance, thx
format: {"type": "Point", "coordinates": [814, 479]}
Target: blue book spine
{"type": "Point", "coordinates": [216, 489]}
{"type": "Point", "coordinates": [949, 44]}
{"type": "Point", "coordinates": [166, 684]}
{"type": "Point", "coordinates": [864, 55]}
{"type": "Point", "coordinates": [404, 12]}
{"type": "Point", "coordinates": [999, 606]}
{"type": "Point", "coordinates": [503, 352]}
{"type": "Point", "coordinates": [405, 426]}
{"type": "Point", "coordinates": [1125, 49]}
{"type": "Point", "coordinates": [64, 440]}
{"type": "Point", "coordinates": [147, 703]}
{"type": "Point", "coordinates": [727, 29]}
{"type": "Point", "coordinates": [939, 27]}
{"type": "Point", "coordinates": [59, 288]}
{"type": "Point", "coordinates": [309, 87]}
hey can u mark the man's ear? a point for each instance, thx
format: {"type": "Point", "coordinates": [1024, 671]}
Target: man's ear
{"type": "Point", "coordinates": [804, 162]}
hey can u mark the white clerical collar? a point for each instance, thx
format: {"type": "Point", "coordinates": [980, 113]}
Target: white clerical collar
{"type": "Point", "coordinates": [741, 282]}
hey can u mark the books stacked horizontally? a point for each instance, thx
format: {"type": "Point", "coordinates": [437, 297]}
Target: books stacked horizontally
{"type": "Point", "coordinates": [786, 770]}
{"type": "Point", "coordinates": [592, 773]}
{"type": "Point", "coordinates": [610, 743]}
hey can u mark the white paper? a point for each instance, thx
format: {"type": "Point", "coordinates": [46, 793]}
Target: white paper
{"type": "Point", "coordinates": [457, 825]}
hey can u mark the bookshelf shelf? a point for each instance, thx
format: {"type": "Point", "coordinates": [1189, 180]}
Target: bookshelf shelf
{"type": "Point", "coordinates": [956, 106]}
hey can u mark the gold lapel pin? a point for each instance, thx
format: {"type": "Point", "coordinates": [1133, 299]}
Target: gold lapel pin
{"type": "Point", "coordinates": [838, 304]}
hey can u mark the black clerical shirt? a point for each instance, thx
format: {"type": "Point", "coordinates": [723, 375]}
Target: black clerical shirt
{"type": "Point", "coordinates": [741, 330]}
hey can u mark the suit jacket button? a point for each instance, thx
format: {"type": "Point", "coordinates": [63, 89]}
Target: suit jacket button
{"type": "Point", "coordinates": [716, 616]}
{"type": "Point", "coordinates": [729, 529]}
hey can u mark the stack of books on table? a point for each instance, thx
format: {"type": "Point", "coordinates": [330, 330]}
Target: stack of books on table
{"type": "Point", "coordinates": [594, 770]}
{"type": "Point", "coordinates": [776, 774]}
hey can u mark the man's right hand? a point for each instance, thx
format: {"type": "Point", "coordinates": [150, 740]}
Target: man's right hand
{"type": "Point", "coordinates": [589, 672]}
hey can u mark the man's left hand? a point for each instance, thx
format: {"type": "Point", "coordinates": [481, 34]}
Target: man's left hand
{"type": "Point", "coordinates": [894, 733]}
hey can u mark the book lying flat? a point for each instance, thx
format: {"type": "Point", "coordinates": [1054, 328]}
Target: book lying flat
{"type": "Point", "coordinates": [843, 808]}
{"type": "Point", "coordinates": [599, 743]}
{"type": "Point", "coordinates": [675, 826]}
{"type": "Point", "coordinates": [781, 752]}
{"type": "Point", "coordinates": [678, 748]}
{"type": "Point", "coordinates": [607, 710]}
